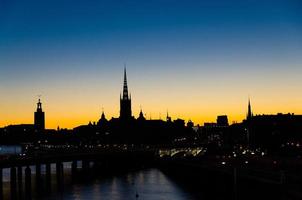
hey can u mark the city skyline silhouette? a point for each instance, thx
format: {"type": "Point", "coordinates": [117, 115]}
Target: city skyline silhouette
{"type": "Point", "coordinates": [195, 59]}
{"type": "Point", "coordinates": [160, 99]}
{"type": "Point", "coordinates": [125, 112]}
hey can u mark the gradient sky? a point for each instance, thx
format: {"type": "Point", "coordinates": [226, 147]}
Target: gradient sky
{"type": "Point", "coordinates": [197, 59]}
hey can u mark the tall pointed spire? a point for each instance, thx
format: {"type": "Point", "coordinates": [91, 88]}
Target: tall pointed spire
{"type": "Point", "coordinates": [249, 112]}
{"type": "Point", "coordinates": [125, 87]}
{"type": "Point", "coordinates": [125, 100]}
{"type": "Point", "coordinates": [168, 118]}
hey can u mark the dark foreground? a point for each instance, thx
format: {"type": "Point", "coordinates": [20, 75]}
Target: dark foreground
{"type": "Point", "coordinates": [177, 182]}
{"type": "Point", "coordinates": [143, 174]}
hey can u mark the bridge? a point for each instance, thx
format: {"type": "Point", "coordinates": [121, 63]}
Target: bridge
{"type": "Point", "coordinates": [181, 152]}
{"type": "Point", "coordinates": [189, 160]}
{"type": "Point", "coordinates": [47, 155]}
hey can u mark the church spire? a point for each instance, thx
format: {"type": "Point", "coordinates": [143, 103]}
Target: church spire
{"type": "Point", "coordinates": [125, 87]}
{"type": "Point", "coordinates": [249, 112]}
{"type": "Point", "coordinates": [168, 118]}
{"type": "Point", "coordinates": [125, 100]}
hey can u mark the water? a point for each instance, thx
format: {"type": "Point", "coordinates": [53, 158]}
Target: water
{"type": "Point", "coordinates": [148, 184]}
{"type": "Point", "coordinates": [10, 149]}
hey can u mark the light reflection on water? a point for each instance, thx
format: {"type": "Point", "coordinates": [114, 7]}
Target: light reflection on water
{"type": "Point", "coordinates": [10, 149]}
{"type": "Point", "coordinates": [6, 177]}
{"type": "Point", "coordinates": [149, 184]}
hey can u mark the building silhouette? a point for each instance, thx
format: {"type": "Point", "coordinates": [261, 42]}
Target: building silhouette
{"type": "Point", "coordinates": [248, 130]}
{"type": "Point", "coordinates": [249, 111]}
{"type": "Point", "coordinates": [125, 101]}
{"type": "Point", "coordinates": [102, 121]}
{"type": "Point", "coordinates": [222, 120]}
{"type": "Point", "coordinates": [141, 116]}
{"type": "Point", "coordinates": [39, 121]}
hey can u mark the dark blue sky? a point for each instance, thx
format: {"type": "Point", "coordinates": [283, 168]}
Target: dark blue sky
{"type": "Point", "coordinates": [56, 46]}
{"type": "Point", "coordinates": [126, 30]}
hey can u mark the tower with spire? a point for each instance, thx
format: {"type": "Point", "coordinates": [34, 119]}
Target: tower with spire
{"type": "Point", "coordinates": [39, 121]}
{"type": "Point", "coordinates": [125, 100]}
{"type": "Point", "coordinates": [249, 111]}
{"type": "Point", "coordinates": [141, 116]}
{"type": "Point", "coordinates": [168, 118]}
{"type": "Point", "coordinates": [102, 121]}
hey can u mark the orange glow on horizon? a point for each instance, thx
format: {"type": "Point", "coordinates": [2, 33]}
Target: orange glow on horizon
{"type": "Point", "coordinates": [69, 118]}
{"type": "Point", "coordinates": [70, 103]}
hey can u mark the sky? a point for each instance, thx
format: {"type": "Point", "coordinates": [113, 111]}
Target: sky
{"type": "Point", "coordinates": [195, 59]}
